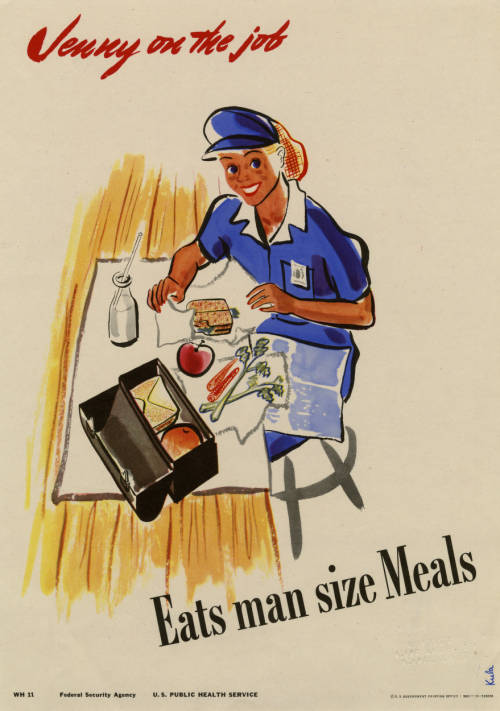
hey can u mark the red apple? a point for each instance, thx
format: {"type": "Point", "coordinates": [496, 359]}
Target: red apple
{"type": "Point", "coordinates": [195, 359]}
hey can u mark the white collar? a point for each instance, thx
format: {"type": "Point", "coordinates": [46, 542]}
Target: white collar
{"type": "Point", "coordinates": [295, 215]}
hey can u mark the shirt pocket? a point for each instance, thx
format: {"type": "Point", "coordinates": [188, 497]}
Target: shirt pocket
{"type": "Point", "coordinates": [298, 279]}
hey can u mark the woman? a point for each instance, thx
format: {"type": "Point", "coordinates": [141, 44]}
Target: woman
{"type": "Point", "coordinates": [311, 275]}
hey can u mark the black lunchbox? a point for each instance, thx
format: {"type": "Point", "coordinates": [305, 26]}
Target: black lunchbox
{"type": "Point", "coordinates": [132, 451]}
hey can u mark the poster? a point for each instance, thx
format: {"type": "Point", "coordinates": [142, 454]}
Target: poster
{"type": "Point", "coordinates": [396, 104]}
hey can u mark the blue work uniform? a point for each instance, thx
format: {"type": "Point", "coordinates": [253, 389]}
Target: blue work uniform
{"type": "Point", "coordinates": [309, 257]}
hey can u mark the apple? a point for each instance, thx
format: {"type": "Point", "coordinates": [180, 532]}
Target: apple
{"type": "Point", "coordinates": [195, 359]}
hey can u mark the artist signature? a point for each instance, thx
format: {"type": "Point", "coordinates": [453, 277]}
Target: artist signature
{"type": "Point", "coordinates": [491, 674]}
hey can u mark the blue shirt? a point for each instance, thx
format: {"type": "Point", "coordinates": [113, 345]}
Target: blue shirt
{"type": "Point", "coordinates": [309, 257]}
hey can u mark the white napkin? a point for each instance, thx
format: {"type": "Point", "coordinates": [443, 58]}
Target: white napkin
{"type": "Point", "coordinates": [246, 413]}
{"type": "Point", "coordinates": [224, 280]}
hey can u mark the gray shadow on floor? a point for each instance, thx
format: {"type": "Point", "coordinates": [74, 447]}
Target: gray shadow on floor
{"type": "Point", "coordinates": [341, 476]}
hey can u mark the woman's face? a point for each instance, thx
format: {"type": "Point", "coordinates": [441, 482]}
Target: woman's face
{"type": "Point", "coordinates": [252, 174]}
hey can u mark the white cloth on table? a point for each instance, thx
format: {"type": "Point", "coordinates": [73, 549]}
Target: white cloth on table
{"type": "Point", "coordinates": [97, 365]}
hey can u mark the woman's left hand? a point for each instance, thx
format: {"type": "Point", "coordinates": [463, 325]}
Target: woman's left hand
{"type": "Point", "coordinates": [269, 297]}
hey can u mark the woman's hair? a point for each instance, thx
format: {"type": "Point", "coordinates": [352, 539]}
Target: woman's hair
{"type": "Point", "coordinates": [295, 166]}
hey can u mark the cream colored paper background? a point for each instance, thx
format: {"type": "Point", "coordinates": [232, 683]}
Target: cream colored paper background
{"type": "Point", "coordinates": [397, 103]}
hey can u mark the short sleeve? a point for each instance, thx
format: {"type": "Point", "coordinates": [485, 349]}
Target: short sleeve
{"type": "Point", "coordinates": [211, 235]}
{"type": "Point", "coordinates": [349, 268]}
{"type": "Point", "coordinates": [346, 260]}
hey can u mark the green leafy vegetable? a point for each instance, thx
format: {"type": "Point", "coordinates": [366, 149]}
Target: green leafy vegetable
{"type": "Point", "coordinates": [257, 369]}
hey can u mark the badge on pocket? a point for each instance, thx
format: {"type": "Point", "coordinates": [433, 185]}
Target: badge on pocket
{"type": "Point", "coordinates": [299, 274]}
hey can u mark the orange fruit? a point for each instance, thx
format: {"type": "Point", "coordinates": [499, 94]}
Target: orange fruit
{"type": "Point", "coordinates": [179, 439]}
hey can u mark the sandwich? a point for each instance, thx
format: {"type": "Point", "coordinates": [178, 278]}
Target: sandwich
{"type": "Point", "coordinates": [155, 403]}
{"type": "Point", "coordinates": [213, 317]}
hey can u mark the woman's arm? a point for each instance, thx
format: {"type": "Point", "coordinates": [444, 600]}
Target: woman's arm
{"type": "Point", "coordinates": [186, 262]}
{"type": "Point", "coordinates": [356, 314]}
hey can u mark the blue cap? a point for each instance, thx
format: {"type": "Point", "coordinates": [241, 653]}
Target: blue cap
{"type": "Point", "coordinates": [234, 128]}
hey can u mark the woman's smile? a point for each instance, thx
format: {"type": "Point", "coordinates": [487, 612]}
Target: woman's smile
{"type": "Point", "coordinates": [251, 189]}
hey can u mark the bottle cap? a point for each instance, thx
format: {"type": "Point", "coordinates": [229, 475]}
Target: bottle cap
{"type": "Point", "coordinates": [121, 281]}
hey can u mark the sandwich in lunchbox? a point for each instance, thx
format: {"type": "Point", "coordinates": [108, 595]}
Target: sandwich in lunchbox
{"type": "Point", "coordinates": [212, 317]}
{"type": "Point", "coordinates": [155, 403]}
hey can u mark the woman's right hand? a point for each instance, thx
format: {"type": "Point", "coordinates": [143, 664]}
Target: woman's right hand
{"type": "Point", "coordinates": [159, 293]}
{"type": "Point", "coordinates": [185, 263]}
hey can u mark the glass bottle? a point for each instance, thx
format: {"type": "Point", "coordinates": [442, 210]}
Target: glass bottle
{"type": "Point", "coordinates": [123, 323]}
